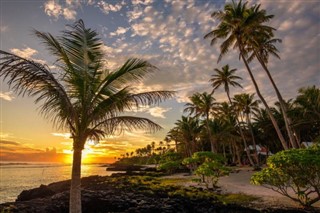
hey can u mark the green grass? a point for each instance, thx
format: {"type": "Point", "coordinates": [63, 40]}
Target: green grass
{"type": "Point", "coordinates": [240, 199]}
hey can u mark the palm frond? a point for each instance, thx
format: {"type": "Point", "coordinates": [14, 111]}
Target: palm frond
{"type": "Point", "coordinates": [117, 125]}
{"type": "Point", "coordinates": [30, 78]}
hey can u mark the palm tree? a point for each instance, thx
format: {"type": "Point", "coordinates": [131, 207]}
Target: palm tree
{"type": "Point", "coordinates": [189, 129]}
{"type": "Point", "coordinates": [237, 24]}
{"type": "Point", "coordinates": [226, 77]}
{"type": "Point", "coordinates": [261, 47]}
{"type": "Point", "coordinates": [226, 113]}
{"type": "Point", "coordinates": [201, 106]}
{"type": "Point", "coordinates": [81, 95]}
{"type": "Point", "coordinates": [306, 113]}
{"type": "Point", "coordinates": [247, 105]}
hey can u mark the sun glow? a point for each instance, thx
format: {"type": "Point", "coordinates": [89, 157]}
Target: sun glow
{"type": "Point", "coordinates": [88, 154]}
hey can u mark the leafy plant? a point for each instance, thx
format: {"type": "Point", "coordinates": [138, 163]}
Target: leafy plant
{"type": "Point", "coordinates": [208, 166]}
{"type": "Point", "coordinates": [296, 170]}
{"type": "Point", "coordinates": [170, 162]}
{"type": "Point", "coordinates": [211, 171]}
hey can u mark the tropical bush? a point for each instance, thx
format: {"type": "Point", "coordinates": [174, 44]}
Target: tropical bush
{"type": "Point", "coordinates": [170, 162]}
{"type": "Point", "coordinates": [293, 173]}
{"type": "Point", "coordinates": [208, 166]}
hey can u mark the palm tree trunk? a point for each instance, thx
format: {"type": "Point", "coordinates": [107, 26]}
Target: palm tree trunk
{"type": "Point", "coordinates": [283, 107]}
{"type": "Point", "coordinates": [273, 120]}
{"type": "Point", "coordinates": [212, 142]}
{"type": "Point", "coordinates": [75, 189]}
{"type": "Point", "coordinates": [242, 135]}
{"type": "Point", "coordinates": [238, 153]}
{"type": "Point", "coordinates": [253, 140]}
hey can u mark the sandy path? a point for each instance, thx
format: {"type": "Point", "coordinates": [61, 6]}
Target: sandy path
{"type": "Point", "coordinates": [240, 183]}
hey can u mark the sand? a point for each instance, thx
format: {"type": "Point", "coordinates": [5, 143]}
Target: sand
{"type": "Point", "coordinates": [239, 182]}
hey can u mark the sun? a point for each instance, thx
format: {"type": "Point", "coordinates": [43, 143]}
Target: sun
{"type": "Point", "coordinates": [87, 156]}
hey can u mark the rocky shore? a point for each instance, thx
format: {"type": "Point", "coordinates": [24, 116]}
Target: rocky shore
{"type": "Point", "coordinates": [123, 193]}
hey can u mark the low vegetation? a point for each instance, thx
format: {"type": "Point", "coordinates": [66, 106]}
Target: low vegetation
{"type": "Point", "coordinates": [293, 173]}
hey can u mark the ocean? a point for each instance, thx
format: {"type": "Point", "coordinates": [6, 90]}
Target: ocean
{"type": "Point", "coordinates": [17, 177]}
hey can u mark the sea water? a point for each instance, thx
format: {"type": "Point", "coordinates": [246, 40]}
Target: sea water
{"type": "Point", "coordinates": [17, 177]}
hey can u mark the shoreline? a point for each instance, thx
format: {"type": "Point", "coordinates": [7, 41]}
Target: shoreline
{"type": "Point", "coordinates": [96, 188]}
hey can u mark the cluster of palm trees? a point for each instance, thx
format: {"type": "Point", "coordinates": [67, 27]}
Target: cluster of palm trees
{"type": "Point", "coordinates": [241, 122]}
{"type": "Point", "coordinates": [245, 28]}
{"type": "Point", "coordinates": [152, 149]}
{"type": "Point", "coordinates": [232, 127]}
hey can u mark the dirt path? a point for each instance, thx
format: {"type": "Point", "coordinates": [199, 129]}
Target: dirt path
{"type": "Point", "coordinates": [239, 182]}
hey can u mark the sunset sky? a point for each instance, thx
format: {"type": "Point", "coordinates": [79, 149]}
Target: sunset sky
{"type": "Point", "coordinates": [168, 33]}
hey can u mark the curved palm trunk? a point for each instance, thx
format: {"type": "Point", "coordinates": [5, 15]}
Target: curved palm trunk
{"type": "Point", "coordinates": [242, 135]}
{"type": "Point", "coordinates": [283, 107]}
{"type": "Point", "coordinates": [253, 139]}
{"type": "Point", "coordinates": [273, 120]}
{"type": "Point", "coordinates": [75, 189]}
{"type": "Point", "coordinates": [212, 142]}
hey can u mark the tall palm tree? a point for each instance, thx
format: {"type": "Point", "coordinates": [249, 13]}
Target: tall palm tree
{"type": "Point", "coordinates": [201, 106]}
{"type": "Point", "coordinates": [226, 77]}
{"type": "Point", "coordinates": [81, 95]}
{"type": "Point", "coordinates": [306, 113]}
{"type": "Point", "coordinates": [189, 129]}
{"type": "Point", "coordinates": [261, 47]}
{"type": "Point", "coordinates": [247, 105]}
{"type": "Point", "coordinates": [226, 113]}
{"type": "Point", "coordinates": [237, 24]}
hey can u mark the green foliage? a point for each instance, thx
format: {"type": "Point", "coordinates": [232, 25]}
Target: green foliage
{"type": "Point", "coordinates": [241, 199]}
{"type": "Point", "coordinates": [170, 166]}
{"type": "Point", "coordinates": [170, 162]}
{"type": "Point", "coordinates": [208, 166]}
{"type": "Point", "coordinates": [211, 171]}
{"type": "Point", "coordinates": [297, 170]}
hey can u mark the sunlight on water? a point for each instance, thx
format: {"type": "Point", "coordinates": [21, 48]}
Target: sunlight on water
{"type": "Point", "coordinates": [15, 178]}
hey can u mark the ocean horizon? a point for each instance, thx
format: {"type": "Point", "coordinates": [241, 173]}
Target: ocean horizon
{"type": "Point", "coordinates": [18, 176]}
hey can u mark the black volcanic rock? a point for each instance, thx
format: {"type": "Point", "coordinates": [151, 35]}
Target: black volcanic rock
{"type": "Point", "coordinates": [42, 191]}
{"type": "Point", "coordinates": [117, 194]}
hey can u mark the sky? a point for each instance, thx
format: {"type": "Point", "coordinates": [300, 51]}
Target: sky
{"type": "Point", "coordinates": [167, 33]}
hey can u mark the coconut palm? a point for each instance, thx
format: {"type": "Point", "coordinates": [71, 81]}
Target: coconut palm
{"type": "Point", "coordinates": [237, 24]}
{"type": "Point", "coordinates": [189, 129]}
{"type": "Point", "coordinates": [306, 113]}
{"type": "Point", "coordinates": [226, 77]}
{"type": "Point", "coordinates": [246, 104]}
{"type": "Point", "coordinates": [201, 106]}
{"type": "Point", "coordinates": [261, 47]}
{"type": "Point", "coordinates": [227, 115]}
{"type": "Point", "coordinates": [80, 95]}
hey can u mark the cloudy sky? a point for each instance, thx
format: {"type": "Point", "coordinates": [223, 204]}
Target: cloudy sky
{"type": "Point", "coordinates": [168, 33]}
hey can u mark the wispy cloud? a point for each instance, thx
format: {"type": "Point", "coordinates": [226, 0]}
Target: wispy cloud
{"type": "Point", "coordinates": [52, 8]}
{"type": "Point", "coordinates": [24, 53]}
{"type": "Point", "coordinates": [119, 31]}
{"type": "Point", "coordinates": [69, 14]}
{"type": "Point", "coordinates": [64, 135]}
{"type": "Point", "coordinates": [107, 7]}
{"type": "Point", "coordinates": [6, 96]}
{"type": "Point", "coordinates": [158, 112]}
{"type": "Point", "coordinates": [68, 11]}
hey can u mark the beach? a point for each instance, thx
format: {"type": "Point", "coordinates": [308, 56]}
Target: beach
{"type": "Point", "coordinates": [238, 182]}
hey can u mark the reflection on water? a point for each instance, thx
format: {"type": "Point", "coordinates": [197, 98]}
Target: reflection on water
{"type": "Point", "coordinates": [17, 177]}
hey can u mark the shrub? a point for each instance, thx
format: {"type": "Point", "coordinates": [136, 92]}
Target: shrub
{"type": "Point", "coordinates": [208, 166]}
{"type": "Point", "coordinates": [210, 172]}
{"type": "Point", "coordinates": [170, 162]}
{"type": "Point", "coordinates": [296, 170]}
{"type": "Point", "coordinates": [170, 166]}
